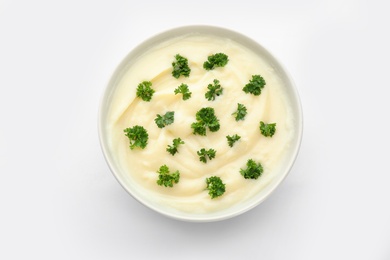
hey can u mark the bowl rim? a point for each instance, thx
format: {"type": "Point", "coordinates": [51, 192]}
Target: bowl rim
{"type": "Point", "coordinates": [180, 30]}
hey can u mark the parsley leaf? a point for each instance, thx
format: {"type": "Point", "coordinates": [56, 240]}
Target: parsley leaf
{"type": "Point", "coordinates": [240, 113]}
{"type": "Point", "coordinates": [216, 60]}
{"type": "Point", "coordinates": [213, 90]}
{"type": "Point", "coordinates": [215, 186]}
{"type": "Point", "coordinates": [204, 154]}
{"type": "Point", "coordinates": [255, 85]}
{"type": "Point", "coordinates": [253, 170]}
{"type": "Point", "coordinates": [138, 136]}
{"type": "Point", "coordinates": [172, 149]}
{"type": "Point", "coordinates": [206, 118]}
{"type": "Point", "coordinates": [167, 179]}
{"type": "Point", "coordinates": [180, 67]}
{"type": "Point", "coordinates": [268, 130]}
{"type": "Point", "coordinates": [167, 119]}
{"type": "Point", "coordinates": [199, 128]}
{"type": "Point", "coordinates": [145, 91]}
{"type": "Point", "coordinates": [183, 88]}
{"type": "Point", "coordinates": [232, 139]}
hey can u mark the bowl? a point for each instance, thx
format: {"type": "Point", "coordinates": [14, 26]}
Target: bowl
{"type": "Point", "coordinates": [135, 168]}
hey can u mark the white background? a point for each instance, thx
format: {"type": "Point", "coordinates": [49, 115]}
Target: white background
{"type": "Point", "coordinates": [58, 199]}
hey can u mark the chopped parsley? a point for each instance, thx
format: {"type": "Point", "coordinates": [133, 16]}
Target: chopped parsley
{"type": "Point", "coordinates": [215, 186]}
{"type": "Point", "coordinates": [145, 91]}
{"type": "Point", "coordinates": [205, 118]}
{"type": "Point", "coordinates": [213, 90]}
{"type": "Point", "coordinates": [172, 149]}
{"type": "Point", "coordinates": [253, 170]}
{"type": "Point", "coordinates": [183, 89]}
{"type": "Point", "coordinates": [138, 136]}
{"type": "Point", "coordinates": [198, 128]}
{"type": "Point", "coordinates": [167, 179]}
{"type": "Point", "coordinates": [204, 154]}
{"type": "Point", "coordinates": [268, 130]}
{"type": "Point", "coordinates": [164, 120]}
{"type": "Point", "coordinates": [255, 85]}
{"type": "Point", "coordinates": [216, 60]}
{"type": "Point", "coordinates": [180, 67]}
{"type": "Point", "coordinates": [232, 139]}
{"type": "Point", "coordinates": [240, 113]}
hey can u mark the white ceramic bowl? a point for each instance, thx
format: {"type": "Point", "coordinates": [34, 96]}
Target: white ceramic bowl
{"type": "Point", "coordinates": [235, 210]}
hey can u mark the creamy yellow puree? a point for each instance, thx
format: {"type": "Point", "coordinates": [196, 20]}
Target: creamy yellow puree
{"type": "Point", "coordinates": [141, 166]}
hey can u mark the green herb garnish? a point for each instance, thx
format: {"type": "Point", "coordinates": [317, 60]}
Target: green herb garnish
{"type": "Point", "coordinates": [216, 60]}
{"type": "Point", "coordinates": [213, 90]}
{"type": "Point", "coordinates": [138, 136]}
{"type": "Point", "coordinates": [167, 179]}
{"type": "Point", "coordinates": [255, 85]}
{"type": "Point", "coordinates": [204, 154]}
{"type": "Point", "coordinates": [172, 149]}
{"type": "Point", "coordinates": [215, 186]}
{"type": "Point", "coordinates": [232, 139]}
{"type": "Point", "coordinates": [199, 128]}
{"type": "Point", "coordinates": [183, 89]}
{"type": "Point", "coordinates": [253, 170]}
{"type": "Point", "coordinates": [240, 113]}
{"type": "Point", "coordinates": [145, 91]}
{"type": "Point", "coordinates": [180, 67]}
{"type": "Point", "coordinates": [164, 120]}
{"type": "Point", "coordinates": [268, 130]}
{"type": "Point", "coordinates": [206, 118]}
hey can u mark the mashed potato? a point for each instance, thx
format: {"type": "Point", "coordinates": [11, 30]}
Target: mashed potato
{"type": "Point", "coordinates": [190, 194]}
